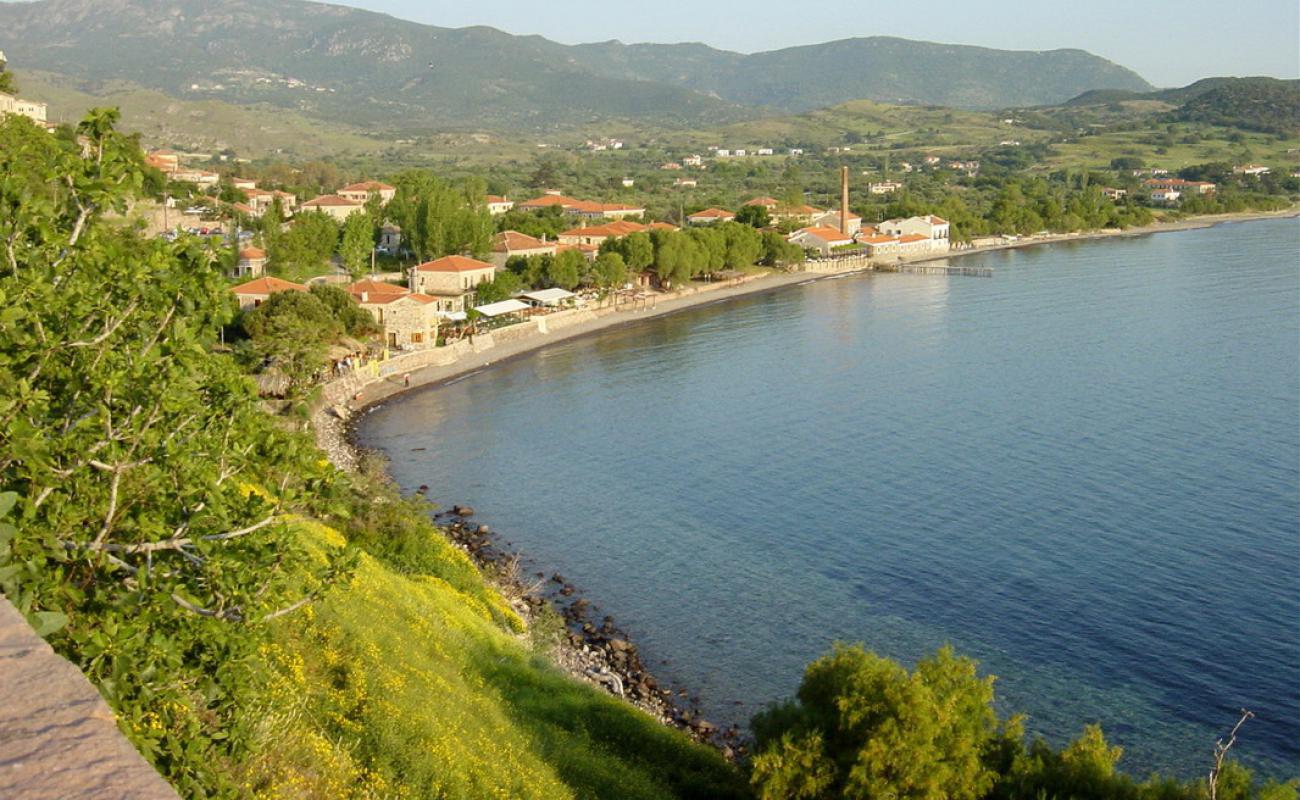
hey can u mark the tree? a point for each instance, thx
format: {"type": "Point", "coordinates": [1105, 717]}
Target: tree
{"type": "Point", "coordinates": [357, 245]}
{"type": "Point", "coordinates": [356, 321]}
{"type": "Point", "coordinates": [777, 251]}
{"type": "Point", "coordinates": [501, 287]}
{"type": "Point", "coordinates": [564, 269]}
{"type": "Point", "coordinates": [744, 245]}
{"type": "Point", "coordinates": [754, 216]}
{"type": "Point", "coordinates": [7, 83]}
{"type": "Point", "coordinates": [638, 251]}
{"type": "Point", "coordinates": [128, 449]}
{"type": "Point", "coordinates": [290, 331]}
{"type": "Point", "coordinates": [863, 727]}
{"type": "Point", "coordinates": [611, 270]}
{"type": "Point", "coordinates": [305, 246]}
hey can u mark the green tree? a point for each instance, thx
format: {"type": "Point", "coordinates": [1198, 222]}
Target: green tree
{"type": "Point", "coordinates": [754, 216]}
{"type": "Point", "coordinates": [611, 270]}
{"type": "Point", "coordinates": [305, 247]}
{"type": "Point", "coordinates": [564, 269]}
{"type": "Point", "coordinates": [357, 244]}
{"type": "Point", "coordinates": [290, 332]}
{"type": "Point", "coordinates": [777, 251]}
{"type": "Point", "coordinates": [744, 245]}
{"type": "Point", "coordinates": [863, 727]}
{"type": "Point", "coordinates": [127, 448]}
{"type": "Point", "coordinates": [501, 287]}
{"type": "Point", "coordinates": [638, 251]}
{"type": "Point", "coordinates": [356, 321]}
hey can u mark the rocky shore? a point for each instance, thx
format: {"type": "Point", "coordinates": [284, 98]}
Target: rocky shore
{"type": "Point", "coordinates": [592, 647]}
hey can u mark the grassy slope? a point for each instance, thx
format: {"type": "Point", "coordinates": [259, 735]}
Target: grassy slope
{"type": "Point", "coordinates": [251, 131]}
{"type": "Point", "coordinates": [411, 685]}
{"type": "Point", "coordinates": [1097, 151]}
{"type": "Point", "coordinates": [924, 127]}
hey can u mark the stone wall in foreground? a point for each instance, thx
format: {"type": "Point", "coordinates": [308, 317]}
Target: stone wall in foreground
{"type": "Point", "coordinates": [58, 738]}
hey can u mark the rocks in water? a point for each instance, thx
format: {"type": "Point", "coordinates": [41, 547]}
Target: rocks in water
{"type": "Point", "coordinates": [619, 645]}
{"type": "Point", "coordinates": [462, 511]}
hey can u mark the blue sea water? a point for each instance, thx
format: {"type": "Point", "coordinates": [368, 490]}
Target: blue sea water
{"type": "Point", "coordinates": [1084, 472]}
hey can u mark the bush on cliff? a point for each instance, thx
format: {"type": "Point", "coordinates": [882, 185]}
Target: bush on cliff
{"type": "Point", "coordinates": [864, 727]}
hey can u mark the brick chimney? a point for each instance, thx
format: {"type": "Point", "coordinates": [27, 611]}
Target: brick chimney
{"type": "Point", "coordinates": [844, 200]}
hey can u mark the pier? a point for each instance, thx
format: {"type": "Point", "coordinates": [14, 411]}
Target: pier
{"type": "Point", "coordinates": [937, 269]}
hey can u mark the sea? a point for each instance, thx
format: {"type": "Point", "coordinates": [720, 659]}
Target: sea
{"type": "Point", "coordinates": [1083, 472]}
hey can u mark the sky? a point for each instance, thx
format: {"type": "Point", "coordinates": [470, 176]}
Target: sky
{"type": "Point", "coordinates": [1168, 42]}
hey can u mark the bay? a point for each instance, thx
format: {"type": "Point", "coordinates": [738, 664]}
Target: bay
{"type": "Point", "coordinates": [1084, 472]}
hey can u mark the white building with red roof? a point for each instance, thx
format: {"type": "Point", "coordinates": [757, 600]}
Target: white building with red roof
{"type": "Point", "coordinates": [363, 191]}
{"type": "Point", "coordinates": [251, 263]}
{"type": "Point", "coordinates": [936, 229]}
{"type": "Point", "coordinates": [497, 205]}
{"type": "Point", "coordinates": [710, 216]}
{"type": "Point", "coordinates": [822, 239]}
{"type": "Point", "coordinates": [336, 206]}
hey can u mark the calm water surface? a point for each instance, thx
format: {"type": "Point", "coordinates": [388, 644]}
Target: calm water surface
{"type": "Point", "coordinates": [1084, 472]}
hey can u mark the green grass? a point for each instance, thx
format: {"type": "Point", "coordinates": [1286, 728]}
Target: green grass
{"type": "Point", "coordinates": [200, 125]}
{"type": "Point", "coordinates": [403, 683]}
{"type": "Point", "coordinates": [1097, 151]}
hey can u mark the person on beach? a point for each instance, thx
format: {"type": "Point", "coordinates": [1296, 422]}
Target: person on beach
{"type": "Point", "coordinates": [406, 380]}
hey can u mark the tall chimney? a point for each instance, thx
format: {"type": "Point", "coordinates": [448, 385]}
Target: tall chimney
{"type": "Point", "coordinates": [844, 200]}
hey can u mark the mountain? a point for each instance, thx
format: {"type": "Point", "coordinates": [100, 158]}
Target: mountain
{"type": "Point", "coordinates": [884, 69]}
{"type": "Point", "coordinates": [376, 71]}
{"type": "Point", "coordinates": [1268, 105]}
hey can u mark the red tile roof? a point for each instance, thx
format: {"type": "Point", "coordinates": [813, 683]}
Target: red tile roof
{"type": "Point", "coordinates": [826, 234]}
{"type": "Point", "coordinates": [330, 200]}
{"type": "Point", "coordinates": [768, 202]}
{"type": "Point", "coordinates": [268, 285]}
{"type": "Point", "coordinates": [713, 213]}
{"type": "Point", "coordinates": [376, 287]}
{"type": "Point", "coordinates": [252, 253]}
{"type": "Point", "coordinates": [368, 186]}
{"type": "Point", "coordinates": [453, 264]}
{"type": "Point", "coordinates": [509, 241]}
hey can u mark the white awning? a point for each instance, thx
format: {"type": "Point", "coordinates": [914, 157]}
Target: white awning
{"type": "Point", "coordinates": [503, 307]}
{"type": "Point", "coordinates": [549, 297]}
{"type": "Point", "coordinates": [454, 316]}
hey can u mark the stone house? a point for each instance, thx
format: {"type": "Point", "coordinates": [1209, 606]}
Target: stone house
{"type": "Point", "coordinates": [508, 244]}
{"type": "Point", "coordinates": [451, 280]}
{"type": "Point", "coordinates": [409, 320]}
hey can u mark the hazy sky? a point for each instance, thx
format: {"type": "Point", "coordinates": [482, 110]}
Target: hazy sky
{"type": "Point", "coordinates": [1168, 42]}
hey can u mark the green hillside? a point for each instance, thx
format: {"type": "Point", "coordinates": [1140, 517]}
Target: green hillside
{"type": "Point", "coordinates": [885, 69]}
{"type": "Point", "coordinates": [380, 73]}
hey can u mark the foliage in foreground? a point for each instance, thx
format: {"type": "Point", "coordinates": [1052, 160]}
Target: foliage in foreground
{"type": "Point", "coordinates": [261, 624]}
{"type": "Point", "coordinates": [862, 726]}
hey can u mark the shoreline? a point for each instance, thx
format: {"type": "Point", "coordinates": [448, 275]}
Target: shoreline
{"type": "Point", "coordinates": [375, 394]}
{"type": "Point", "coordinates": [600, 653]}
